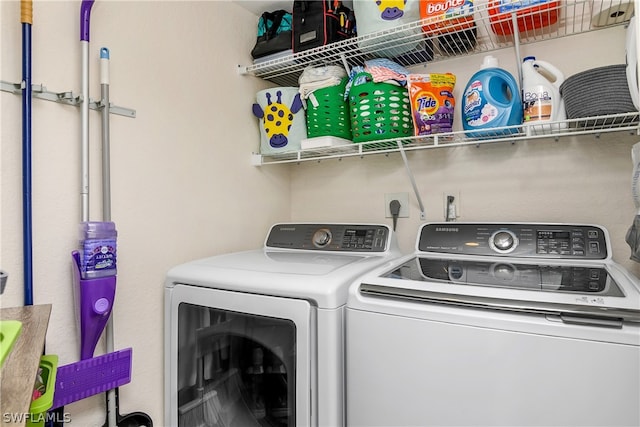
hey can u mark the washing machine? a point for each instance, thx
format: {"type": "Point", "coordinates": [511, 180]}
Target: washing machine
{"type": "Point", "coordinates": [496, 325]}
{"type": "Point", "coordinates": [256, 338]}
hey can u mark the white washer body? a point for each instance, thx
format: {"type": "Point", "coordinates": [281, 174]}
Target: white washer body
{"type": "Point", "coordinates": [443, 337]}
{"type": "Point", "coordinates": [299, 276]}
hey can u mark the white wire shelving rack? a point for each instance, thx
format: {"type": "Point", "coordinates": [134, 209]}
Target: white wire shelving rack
{"type": "Point", "coordinates": [574, 17]}
{"type": "Point", "coordinates": [595, 126]}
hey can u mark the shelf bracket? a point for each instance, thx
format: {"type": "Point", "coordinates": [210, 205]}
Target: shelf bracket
{"type": "Point", "coordinates": [345, 64]}
{"type": "Point", "coordinates": [256, 159]}
{"type": "Point", "coordinates": [41, 92]}
{"type": "Point", "coordinates": [423, 215]}
{"type": "Point", "coordinates": [516, 45]}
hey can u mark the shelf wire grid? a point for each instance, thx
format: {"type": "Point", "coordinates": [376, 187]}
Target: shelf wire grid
{"type": "Point", "coordinates": [573, 17]}
{"type": "Point", "coordinates": [627, 122]}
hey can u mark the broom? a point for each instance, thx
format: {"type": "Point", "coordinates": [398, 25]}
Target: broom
{"type": "Point", "coordinates": [204, 410]}
{"type": "Point", "coordinates": [201, 411]}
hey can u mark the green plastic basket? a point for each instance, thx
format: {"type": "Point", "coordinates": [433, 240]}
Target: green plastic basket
{"type": "Point", "coordinates": [39, 407]}
{"type": "Point", "coordinates": [379, 111]}
{"type": "Point", "coordinates": [9, 331]}
{"type": "Point", "coordinates": [328, 112]}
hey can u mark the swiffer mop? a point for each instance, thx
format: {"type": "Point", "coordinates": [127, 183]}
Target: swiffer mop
{"type": "Point", "coordinates": [101, 306]}
{"type": "Point", "coordinates": [93, 275]}
{"type": "Point", "coordinates": [95, 279]}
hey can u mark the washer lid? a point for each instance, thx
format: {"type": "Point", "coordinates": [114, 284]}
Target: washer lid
{"type": "Point", "coordinates": [588, 279]}
{"type": "Point", "coordinates": [603, 290]}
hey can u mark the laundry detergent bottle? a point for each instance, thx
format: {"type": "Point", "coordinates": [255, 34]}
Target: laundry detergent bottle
{"type": "Point", "coordinates": [491, 100]}
{"type": "Point", "coordinates": [541, 99]}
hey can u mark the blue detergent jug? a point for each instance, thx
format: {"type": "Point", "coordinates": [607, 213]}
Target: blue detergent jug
{"type": "Point", "coordinates": [491, 100]}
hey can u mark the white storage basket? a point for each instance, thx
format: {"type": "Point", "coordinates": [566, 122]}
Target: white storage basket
{"type": "Point", "coordinates": [283, 124]}
{"type": "Point", "coordinates": [373, 16]}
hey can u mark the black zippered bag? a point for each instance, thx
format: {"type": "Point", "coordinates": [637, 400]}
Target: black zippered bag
{"type": "Point", "coordinates": [318, 23]}
{"type": "Point", "coordinates": [276, 35]}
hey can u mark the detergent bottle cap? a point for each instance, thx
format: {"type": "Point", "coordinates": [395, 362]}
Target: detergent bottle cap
{"type": "Point", "coordinates": [489, 62]}
{"type": "Point", "coordinates": [529, 58]}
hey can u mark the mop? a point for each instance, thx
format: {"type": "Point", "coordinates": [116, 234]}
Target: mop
{"type": "Point", "coordinates": [97, 293]}
{"type": "Point", "coordinates": [112, 396]}
{"type": "Point", "coordinates": [94, 296]}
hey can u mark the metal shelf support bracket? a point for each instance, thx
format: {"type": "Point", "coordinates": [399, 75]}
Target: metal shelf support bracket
{"type": "Point", "coordinates": [423, 215]}
{"type": "Point", "coordinates": [41, 92]}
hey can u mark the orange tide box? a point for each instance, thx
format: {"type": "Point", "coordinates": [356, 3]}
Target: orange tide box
{"type": "Point", "coordinates": [531, 14]}
{"type": "Point", "coordinates": [444, 16]}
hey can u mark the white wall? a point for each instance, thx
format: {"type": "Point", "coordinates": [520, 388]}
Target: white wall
{"type": "Point", "coordinates": [584, 179]}
{"type": "Point", "coordinates": [182, 183]}
{"type": "Point", "coordinates": [566, 181]}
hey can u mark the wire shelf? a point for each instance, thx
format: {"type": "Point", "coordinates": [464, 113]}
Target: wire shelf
{"type": "Point", "coordinates": [574, 17]}
{"type": "Point", "coordinates": [597, 125]}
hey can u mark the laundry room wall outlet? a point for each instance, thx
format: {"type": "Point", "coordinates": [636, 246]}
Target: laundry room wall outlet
{"type": "Point", "coordinates": [452, 210]}
{"type": "Point", "coordinates": [403, 198]}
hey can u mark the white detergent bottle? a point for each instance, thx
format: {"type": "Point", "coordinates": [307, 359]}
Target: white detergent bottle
{"type": "Point", "coordinates": [541, 100]}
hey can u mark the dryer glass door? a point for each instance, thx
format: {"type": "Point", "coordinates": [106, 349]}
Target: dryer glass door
{"type": "Point", "coordinates": [238, 359]}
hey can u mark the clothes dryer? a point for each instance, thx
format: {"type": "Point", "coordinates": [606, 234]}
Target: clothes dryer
{"type": "Point", "coordinates": [496, 324]}
{"type": "Point", "coordinates": [256, 338]}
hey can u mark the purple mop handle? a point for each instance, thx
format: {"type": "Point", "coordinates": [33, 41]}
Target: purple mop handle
{"type": "Point", "coordinates": [85, 15]}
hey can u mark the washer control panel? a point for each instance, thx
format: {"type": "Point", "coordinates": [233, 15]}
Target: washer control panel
{"type": "Point", "coordinates": [517, 240]}
{"type": "Point", "coordinates": [330, 237]}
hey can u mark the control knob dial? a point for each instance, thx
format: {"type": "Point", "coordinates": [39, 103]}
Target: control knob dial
{"type": "Point", "coordinates": [321, 237]}
{"type": "Point", "coordinates": [503, 241]}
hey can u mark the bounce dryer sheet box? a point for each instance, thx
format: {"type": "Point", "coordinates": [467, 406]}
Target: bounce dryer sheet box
{"type": "Point", "coordinates": [432, 102]}
{"type": "Point", "coordinates": [443, 16]}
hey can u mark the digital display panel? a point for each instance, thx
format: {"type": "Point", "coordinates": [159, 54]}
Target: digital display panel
{"type": "Point", "coordinates": [553, 234]}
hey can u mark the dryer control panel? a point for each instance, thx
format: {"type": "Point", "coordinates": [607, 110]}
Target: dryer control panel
{"type": "Point", "coordinates": [330, 237]}
{"type": "Point", "coordinates": [564, 241]}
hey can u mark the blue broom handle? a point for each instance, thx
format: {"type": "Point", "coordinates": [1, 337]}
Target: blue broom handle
{"type": "Point", "coordinates": [26, 17]}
